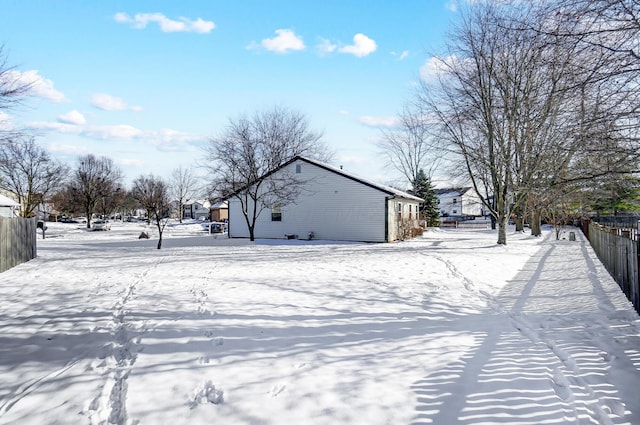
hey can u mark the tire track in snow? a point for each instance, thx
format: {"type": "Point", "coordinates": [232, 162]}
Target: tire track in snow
{"type": "Point", "coordinates": [109, 407]}
{"type": "Point", "coordinates": [568, 384]}
{"type": "Point", "coordinates": [28, 387]}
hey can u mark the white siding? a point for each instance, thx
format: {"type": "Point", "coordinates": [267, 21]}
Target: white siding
{"type": "Point", "coordinates": [401, 213]}
{"type": "Point", "coordinates": [6, 211]}
{"type": "Point", "coordinates": [453, 203]}
{"type": "Point", "coordinates": [332, 206]}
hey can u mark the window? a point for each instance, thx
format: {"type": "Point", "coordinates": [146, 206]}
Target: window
{"type": "Point", "coordinates": [455, 200]}
{"type": "Point", "coordinates": [399, 210]}
{"type": "Point", "coordinates": [454, 212]}
{"type": "Point", "coordinates": [298, 168]}
{"type": "Point", "coordinates": [276, 213]}
{"type": "Point", "coordinates": [410, 209]}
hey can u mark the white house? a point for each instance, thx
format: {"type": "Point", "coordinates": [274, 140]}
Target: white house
{"type": "Point", "coordinates": [8, 207]}
{"type": "Point", "coordinates": [333, 205]}
{"type": "Point", "coordinates": [462, 201]}
{"type": "Point", "coordinates": [198, 209]}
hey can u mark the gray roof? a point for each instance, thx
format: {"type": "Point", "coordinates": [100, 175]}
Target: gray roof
{"type": "Point", "coordinates": [384, 188]}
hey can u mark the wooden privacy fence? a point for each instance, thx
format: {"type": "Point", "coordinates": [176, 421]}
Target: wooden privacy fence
{"type": "Point", "coordinates": [619, 252]}
{"type": "Point", "coordinates": [17, 241]}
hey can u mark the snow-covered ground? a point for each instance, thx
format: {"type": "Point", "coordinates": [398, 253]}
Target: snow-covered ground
{"type": "Point", "coordinates": [446, 329]}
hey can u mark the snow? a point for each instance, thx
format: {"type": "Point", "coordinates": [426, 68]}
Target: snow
{"type": "Point", "coordinates": [449, 328]}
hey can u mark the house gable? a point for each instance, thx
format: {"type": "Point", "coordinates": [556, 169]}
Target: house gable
{"type": "Point", "coordinates": [461, 201]}
{"type": "Point", "coordinates": [333, 205]}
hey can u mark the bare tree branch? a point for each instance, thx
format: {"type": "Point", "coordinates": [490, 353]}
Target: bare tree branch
{"type": "Point", "coordinates": [242, 159]}
{"type": "Point", "coordinates": [29, 172]}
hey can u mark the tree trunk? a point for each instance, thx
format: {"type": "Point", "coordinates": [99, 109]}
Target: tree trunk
{"type": "Point", "coordinates": [536, 223]}
{"type": "Point", "coordinates": [251, 235]}
{"type": "Point", "coordinates": [519, 223]}
{"type": "Point", "coordinates": [502, 230]}
{"type": "Point", "coordinates": [160, 229]}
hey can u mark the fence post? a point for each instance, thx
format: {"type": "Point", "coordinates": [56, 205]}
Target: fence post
{"type": "Point", "coordinates": [636, 299]}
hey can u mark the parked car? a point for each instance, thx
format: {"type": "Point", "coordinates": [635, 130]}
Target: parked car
{"type": "Point", "coordinates": [214, 227]}
{"type": "Point", "coordinates": [67, 220]}
{"type": "Point", "coordinates": [101, 225]}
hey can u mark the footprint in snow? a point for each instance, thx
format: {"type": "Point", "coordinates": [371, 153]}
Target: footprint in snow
{"type": "Point", "coordinates": [277, 389]}
{"type": "Point", "coordinates": [607, 357]}
{"type": "Point", "coordinates": [206, 393]}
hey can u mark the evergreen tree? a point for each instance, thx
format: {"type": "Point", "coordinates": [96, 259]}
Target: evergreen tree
{"type": "Point", "coordinates": [429, 208]}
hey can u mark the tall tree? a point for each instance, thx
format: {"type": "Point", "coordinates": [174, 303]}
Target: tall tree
{"type": "Point", "coordinates": [94, 179]}
{"type": "Point", "coordinates": [243, 156]}
{"type": "Point", "coordinates": [13, 88]}
{"type": "Point", "coordinates": [423, 188]}
{"type": "Point", "coordinates": [500, 100]}
{"type": "Point", "coordinates": [28, 172]}
{"type": "Point", "coordinates": [182, 187]}
{"type": "Point", "coordinates": [409, 148]}
{"type": "Point", "coordinates": [153, 195]}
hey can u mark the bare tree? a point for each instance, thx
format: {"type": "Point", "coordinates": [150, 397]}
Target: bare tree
{"type": "Point", "coordinates": [28, 172]}
{"type": "Point", "coordinates": [409, 147]}
{"type": "Point", "coordinates": [610, 25]}
{"type": "Point", "coordinates": [182, 187]}
{"type": "Point", "coordinates": [13, 89]}
{"type": "Point", "coordinates": [153, 195]}
{"type": "Point", "coordinates": [505, 101]}
{"type": "Point", "coordinates": [93, 180]}
{"type": "Point", "coordinates": [243, 157]}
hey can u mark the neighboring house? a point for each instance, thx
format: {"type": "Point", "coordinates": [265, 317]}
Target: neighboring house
{"type": "Point", "coordinates": [196, 209]}
{"type": "Point", "coordinates": [459, 202]}
{"type": "Point", "coordinates": [219, 211]}
{"type": "Point", "coordinates": [333, 205]}
{"type": "Point", "coordinates": [9, 207]}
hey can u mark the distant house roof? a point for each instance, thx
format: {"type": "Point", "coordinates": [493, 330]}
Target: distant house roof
{"type": "Point", "coordinates": [221, 204]}
{"type": "Point", "coordinates": [8, 202]}
{"type": "Point", "coordinates": [453, 191]}
{"type": "Point", "coordinates": [203, 202]}
{"type": "Point", "coordinates": [383, 188]}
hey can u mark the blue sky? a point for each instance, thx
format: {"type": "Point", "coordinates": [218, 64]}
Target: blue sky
{"type": "Point", "coordinates": [146, 83]}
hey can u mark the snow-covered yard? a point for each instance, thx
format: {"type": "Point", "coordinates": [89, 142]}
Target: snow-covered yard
{"type": "Point", "coordinates": [447, 329]}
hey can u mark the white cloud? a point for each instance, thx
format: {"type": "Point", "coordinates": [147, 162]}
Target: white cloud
{"type": "Point", "coordinates": [400, 56]}
{"type": "Point", "coordinates": [109, 132]}
{"type": "Point", "coordinates": [284, 42]}
{"type": "Point", "coordinates": [72, 150]}
{"type": "Point", "coordinates": [72, 117]}
{"type": "Point", "coordinates": [40, 87]}
{"type": "Point", "coordinates": [131, 162]}
{"type": "Point", "coordinates": [54, 126]}
{"type": "Point", "coordinates": [377, 122]}
{"type": "Point", "coordinates": [5, 122]}
{"type": "Point", "coordinates": [164, 139]}
{"type": "Point", "coordinates": [110, 103]}
{"type": "Point", "coordinates": [325, 46]}
{"type": "Point", "coordinates": [362, 46]}
{"type": "Point", "coordinates": [452, 5]}
{"type": "Point", "coordinates": [182, 24]}
{"type": "Point", "coordinates": [436, 66]}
